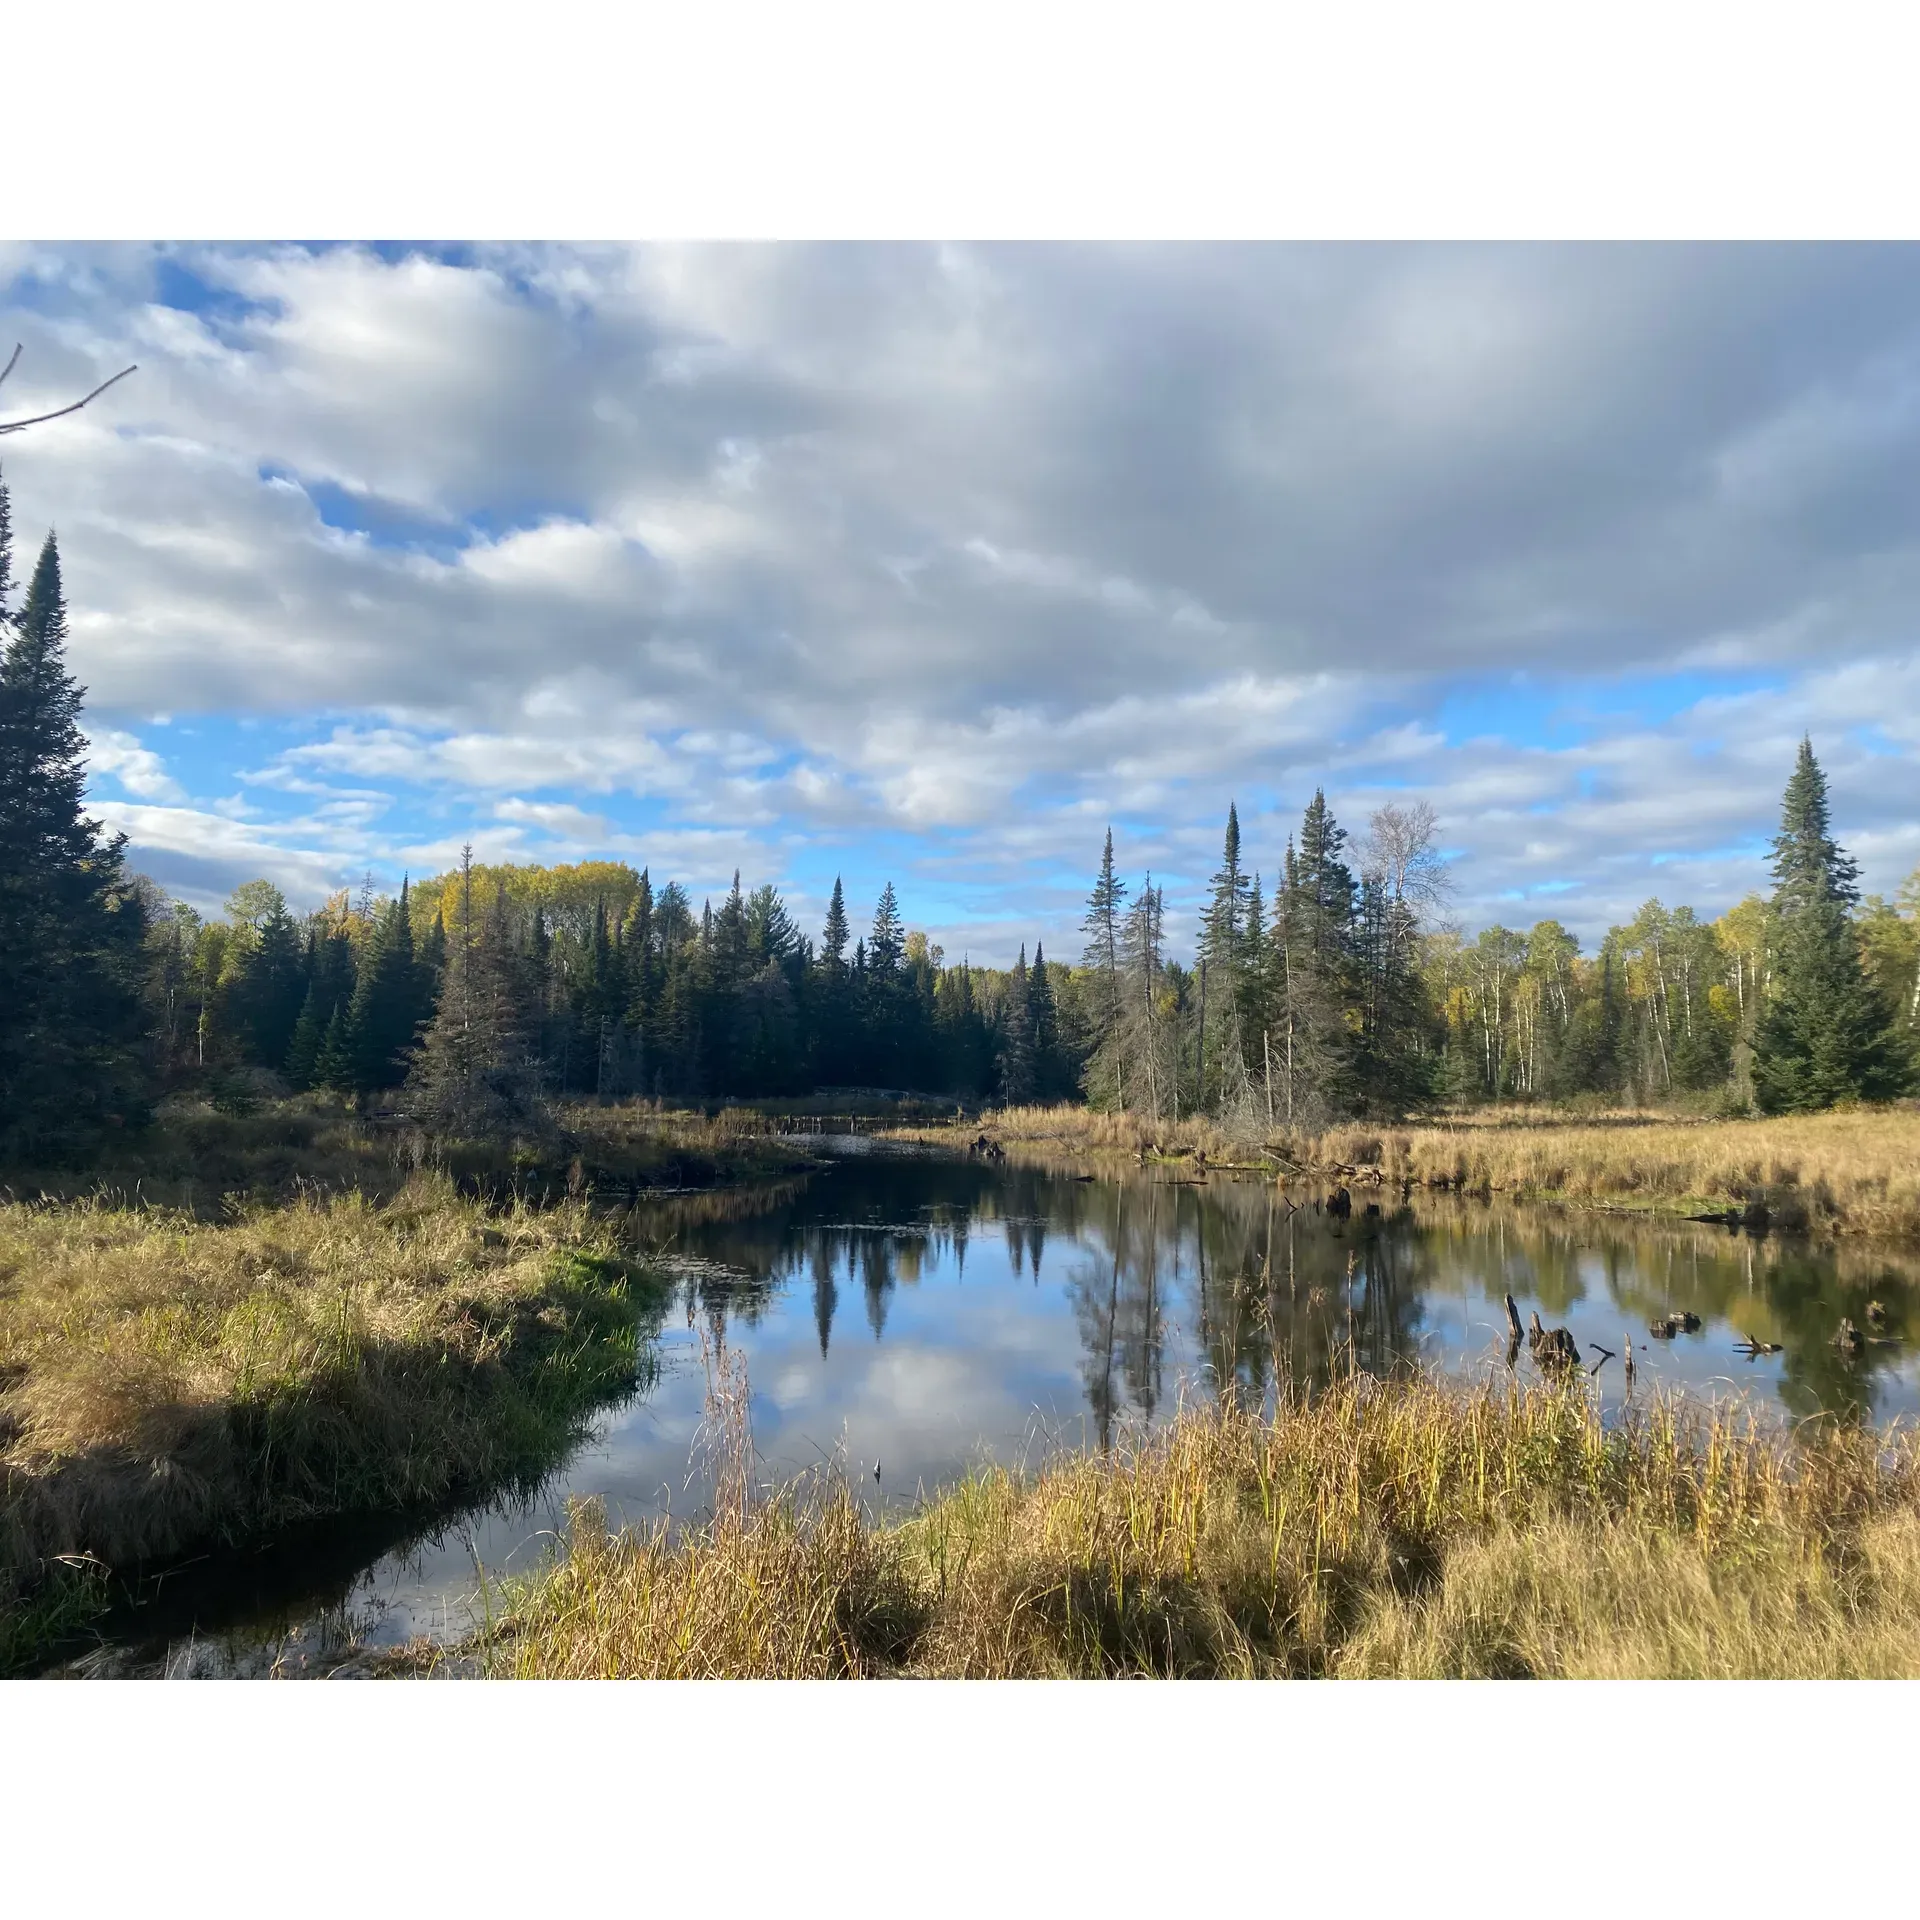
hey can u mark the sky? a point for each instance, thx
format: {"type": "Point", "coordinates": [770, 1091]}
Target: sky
{"type": "Point", "coordinates": [930, 562]}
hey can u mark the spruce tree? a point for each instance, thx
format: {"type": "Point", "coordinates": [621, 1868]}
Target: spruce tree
{"type": "Point", "coordinates": [270, 986]}
{"type": "Point", "coordinates": [383, 1016]}
{"type": "Point", "coordinates": [1825, 1034]}
{"type": "Point", "coordinates": [334, 1065]}
{"type": "Point", "coordinates": [1106, 912]}
{"type": "Point", "coordinates": [1016, 1039]}
{"type": "Point", "coordinates": [1043, 1028]}
{"type": "Point", "coordinates": [72, 926]}
{"type": "Point", "coordinates": [1223, 929]}
{"type": "Point", "coordinates": [309, 1030]}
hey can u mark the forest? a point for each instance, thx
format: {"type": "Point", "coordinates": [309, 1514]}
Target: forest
{"type": "Point", "coordinates": [472, 1000]}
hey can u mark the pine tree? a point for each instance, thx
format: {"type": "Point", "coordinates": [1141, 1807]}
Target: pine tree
{"type": "Point", "coordinates": [1826, 1034]}
{"type": "Point", "coordinates": [72, 925]}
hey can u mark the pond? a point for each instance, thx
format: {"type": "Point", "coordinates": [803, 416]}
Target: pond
{"type": "Point", "coordinates": [910, 1313]}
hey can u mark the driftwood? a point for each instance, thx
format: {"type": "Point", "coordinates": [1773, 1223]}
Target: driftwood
{"type": "Point", "coordinates": [1753, 1348]}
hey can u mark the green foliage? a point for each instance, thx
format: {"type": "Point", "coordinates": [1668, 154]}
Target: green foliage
{"type": "Point", "coordinates": [72, 924]}
{"type": "Point", "coordinates": [1826, 1035]}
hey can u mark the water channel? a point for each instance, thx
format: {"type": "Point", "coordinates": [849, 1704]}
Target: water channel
{"type": "Point", "coordinates": [910, 1313]}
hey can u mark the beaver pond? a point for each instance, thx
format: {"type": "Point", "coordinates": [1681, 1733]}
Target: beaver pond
{"type": "Point", "coordinates": [908, 1313]}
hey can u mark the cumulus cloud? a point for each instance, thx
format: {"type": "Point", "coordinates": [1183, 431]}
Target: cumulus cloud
{"type": "Point", "coordinates": [934, 559]}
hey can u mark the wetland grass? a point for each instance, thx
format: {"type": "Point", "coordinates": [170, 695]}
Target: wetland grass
{"type": "Point", "coordinates": [1406, 1529]}
{"type": "Point", "coordinates": [168, 1384]}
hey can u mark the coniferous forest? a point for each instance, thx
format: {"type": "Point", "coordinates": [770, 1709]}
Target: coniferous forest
{"type": "Point", "coordinates": [1326, 981]}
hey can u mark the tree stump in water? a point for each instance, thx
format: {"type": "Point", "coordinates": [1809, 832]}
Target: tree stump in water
{"type": "Point", "coordinates": [1554, 1350]}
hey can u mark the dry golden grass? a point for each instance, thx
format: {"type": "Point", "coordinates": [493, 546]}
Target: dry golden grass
{"type": "Point", "coordinates": [1856, 1172]}
{"type": "Point", "coordinates": [1406, 1529]}
{"type": "Point", "coordinates": [1082, 1130]}
{"type": "Point", "coordinates": [166, 1383]}
{"type": "Point", "coordinates": [1853, 1172]}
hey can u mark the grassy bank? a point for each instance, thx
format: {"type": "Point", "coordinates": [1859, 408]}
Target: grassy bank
{"type": "Point", "coordinates": [1405, 1530]}
{"type": "Point", "coordinates": [169, 1384]}
{"type": "Point", "coordinates": [1853, 1172]}
{"type": "Point", "coordinates": [194, 1157]}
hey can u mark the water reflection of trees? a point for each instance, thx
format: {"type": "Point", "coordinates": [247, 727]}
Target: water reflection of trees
{"type": "Point", "coordinates": [1225, 1285]}
{"type": "Point", "coordinates": [1772, 1288]}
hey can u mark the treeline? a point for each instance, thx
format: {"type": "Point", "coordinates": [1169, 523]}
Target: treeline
{"type": "Point", "coordinates": [474, 999]}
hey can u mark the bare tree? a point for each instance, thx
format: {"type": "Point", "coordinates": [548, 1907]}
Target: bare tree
{"type": "Point", "coordinates": [34, 420]}
{"type": "Point", "coordinates": [1401, 850]}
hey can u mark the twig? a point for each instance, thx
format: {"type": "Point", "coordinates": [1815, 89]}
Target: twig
{"type": "Point", "coordinates": [15, 426]}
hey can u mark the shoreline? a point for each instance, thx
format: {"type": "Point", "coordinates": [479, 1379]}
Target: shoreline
{"type": "Point", "coordinates": [1851, 1175]}
{"type": "Point", "coordinates": [1380, 1529]}
{"type": "Point", "coordinates": [173, 1386]}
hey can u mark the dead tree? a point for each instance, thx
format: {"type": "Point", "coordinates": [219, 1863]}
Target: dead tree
{"type": "Point", "coordinates": [34, 420]}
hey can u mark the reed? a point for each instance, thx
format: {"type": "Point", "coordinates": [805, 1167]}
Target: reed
{"type": "Point", "coordinates": [169, 1384]}
{"type": "Point", "coordinates": [1412, 1528]}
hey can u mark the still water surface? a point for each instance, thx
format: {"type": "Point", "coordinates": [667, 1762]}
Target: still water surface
{"type": "Point", "coordinates": [911, 1314]}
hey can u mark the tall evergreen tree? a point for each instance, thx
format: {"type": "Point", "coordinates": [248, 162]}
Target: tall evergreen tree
{"type": "Point", "coordinates": [1043, 1028]}
{"type": "Point", "coordinates": [1222, 1043]}
{"type": "Point", "coordinates": [1106, 912]}
{"type": "Point", "coordinates": [72, 926]}
{"type": "Point", "coordinates": [270, 985]}
{"type": "Point", "coordinates": [1016, 1039]}
{"type": "Point", "coordinates": [1825, 1034]}
{"type": "Point", "coordinates": [383, 1016]}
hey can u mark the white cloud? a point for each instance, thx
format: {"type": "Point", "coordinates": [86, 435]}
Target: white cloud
{"type": "Point", "coordinates": [140, 770]}
{"type": "Point", "coordinates": [982, 547]}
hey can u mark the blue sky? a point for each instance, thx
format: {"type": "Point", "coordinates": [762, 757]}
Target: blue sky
{"type": "Point", "coordinates": [929, 562]}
